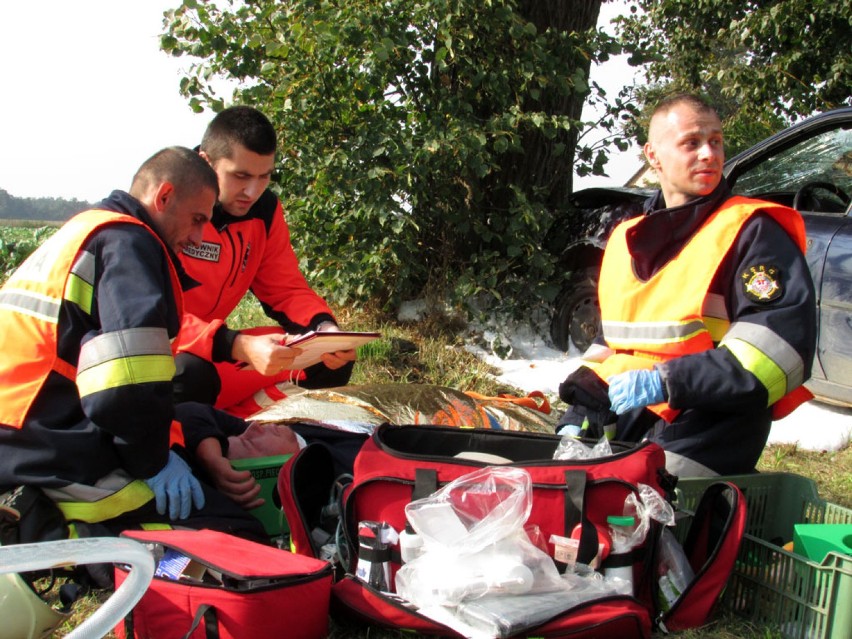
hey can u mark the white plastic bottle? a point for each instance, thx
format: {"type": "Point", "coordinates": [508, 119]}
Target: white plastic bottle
{"type": "Point", "coordinates": [410, 544]}
{"type": "Point", "coordinates": [621, 528]}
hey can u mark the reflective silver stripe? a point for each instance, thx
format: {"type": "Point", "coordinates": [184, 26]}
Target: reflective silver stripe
{"type": "Point", "coordinates": [104, 487]}
{"type": "Point", "coordinates": [773, 346]}
{"type": "Point", "coordinates": [37, 305]}
{"type": "Point", "coordinates": [130, 342]}
{"type": "Point", "coordinates": [651, 332]}
{"type": "Point", "coordinates": [682, 466]}
{"type": "Point", "coordinates": [714, 306]}
{"type": "Point", "coordinates": [84, 267]}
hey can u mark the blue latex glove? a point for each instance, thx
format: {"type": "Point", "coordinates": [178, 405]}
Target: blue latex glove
{"type": "Point", "coordinates": [634, 389]}
{"type": "Point", "coordinates": [176, 486]}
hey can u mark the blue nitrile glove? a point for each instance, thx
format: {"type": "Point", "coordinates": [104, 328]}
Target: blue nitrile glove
{"type": "Point", "coordinates": [176, 485]}
{"type": "Point", "coordinates": [573, 430]}
{"type": "Point", "coordinates": [634, 389]}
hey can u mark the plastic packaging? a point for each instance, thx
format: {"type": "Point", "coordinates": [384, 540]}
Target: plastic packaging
{"type": "Point", "coordinates": [511, 615]}
{"type": "Point", "coordinates": [646, 505]}
{"type": "Point", "coordinates": [674, 573]}
{"type": "Point", "coordinates": [474, 542]}
{"type": "Point", "coordinates": [474, 510]}
{"type": "Point", "coordinates": [571, 448]}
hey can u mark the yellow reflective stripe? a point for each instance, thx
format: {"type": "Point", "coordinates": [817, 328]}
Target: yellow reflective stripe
{"type": "Point", "coordinates": [153, 526]}
{"type": "Point", "coordinates": [767, 372]}
{"type": "Point", "coordinates": [80, 292]}
{"type": "Point", "coordinates": [144, 369]}
{"type": "Point", "coordinates": [134, 495]}
{"type": "Point", "coordinates": [36, 305]}
{"type": "Point", "coordinates": [773, 347]}
{"type": "Point", "coordinates": [80, 284]}
{"type": "Point", "coordinates": [717, 328]}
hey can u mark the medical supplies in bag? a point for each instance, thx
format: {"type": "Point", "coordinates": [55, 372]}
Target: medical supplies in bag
{"type": "Point", "coordinates": [400, 465]}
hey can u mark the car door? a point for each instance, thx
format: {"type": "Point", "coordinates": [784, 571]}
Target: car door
{"type": "Point", "coordinates": [810, 168]}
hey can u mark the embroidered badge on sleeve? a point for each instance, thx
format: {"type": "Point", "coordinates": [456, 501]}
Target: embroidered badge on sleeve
{"type": "Point", "coordinates": [761, 283]}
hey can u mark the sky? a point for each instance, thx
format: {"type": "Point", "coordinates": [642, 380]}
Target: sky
{"type": "Point", "coordinates": [87, 96]}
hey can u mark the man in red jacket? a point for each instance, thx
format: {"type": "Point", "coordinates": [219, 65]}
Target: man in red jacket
{"type": "Point", "coordinates": [247, 247]}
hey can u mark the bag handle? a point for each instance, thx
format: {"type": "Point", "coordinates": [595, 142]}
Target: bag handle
{"type": "Point", "coordinates": [211, 622]}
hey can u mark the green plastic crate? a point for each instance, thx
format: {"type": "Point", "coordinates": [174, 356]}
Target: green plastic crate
{"type": "Point", "coordinates": [770, 586]}
{"type": "Point", "coordinates": [265, 471]}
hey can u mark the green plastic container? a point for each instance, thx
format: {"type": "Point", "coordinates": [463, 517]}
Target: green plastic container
{"type": "Point", "coordinates": [815, 541]}
{"type": "Point", "coordinates": [804, 599]}
{"type": "Point", "coordinates": [265, 470]}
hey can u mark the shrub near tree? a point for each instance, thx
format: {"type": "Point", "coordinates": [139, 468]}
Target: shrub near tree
{"type": "Point", "coordinates": [426, 144]}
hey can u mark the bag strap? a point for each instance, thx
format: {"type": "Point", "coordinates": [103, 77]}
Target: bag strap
{"type": "Point", "coordinates": [575, 513]}
{"type": "Point", "coordinates": [211, 622]}
{"type": "Point", "coordinates": [425, 483]}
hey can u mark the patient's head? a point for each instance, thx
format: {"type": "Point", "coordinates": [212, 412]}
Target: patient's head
{"type": "Point", "coordinates": [263, 440]}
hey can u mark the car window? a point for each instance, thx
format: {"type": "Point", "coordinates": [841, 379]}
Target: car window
{"type": "Point", "coordinates": [826, 157]}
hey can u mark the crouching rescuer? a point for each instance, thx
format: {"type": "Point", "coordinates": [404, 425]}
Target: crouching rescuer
{"type": "Point", "coordinates": [708, 311]}
{"type": "Point", "coordinates": [87, 323]}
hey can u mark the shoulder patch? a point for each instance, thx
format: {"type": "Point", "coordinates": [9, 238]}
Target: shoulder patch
{"type": "Point", "coordinates": [761, 282]}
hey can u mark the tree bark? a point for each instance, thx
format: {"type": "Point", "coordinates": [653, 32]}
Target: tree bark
{"type": "Point", "coordinates": [540, 166]}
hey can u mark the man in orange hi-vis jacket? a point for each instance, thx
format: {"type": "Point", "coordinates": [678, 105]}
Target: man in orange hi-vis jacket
{"type": "Point", "coordinates": [87, 416]}
{"type": "Point", "coordinates": [708, 311]}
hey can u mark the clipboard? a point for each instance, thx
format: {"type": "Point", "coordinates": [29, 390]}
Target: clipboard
{"type": "Point", "coordinates": [314, 344]}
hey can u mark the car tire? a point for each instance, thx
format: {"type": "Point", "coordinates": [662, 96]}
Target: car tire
{"type": "Point", "coordinates": [577, 316]}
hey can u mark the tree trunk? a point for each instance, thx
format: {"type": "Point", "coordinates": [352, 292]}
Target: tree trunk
{"type": "Point", "coordinates": [540, 167]}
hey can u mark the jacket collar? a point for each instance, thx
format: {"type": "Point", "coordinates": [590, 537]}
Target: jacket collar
{"type": "Point", "coordinates": [662, 232]}
{"type": "Point", "coordinates": [122, 202]}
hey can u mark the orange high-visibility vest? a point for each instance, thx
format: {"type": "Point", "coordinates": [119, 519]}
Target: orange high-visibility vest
{"type": "Point", "coordinates": [30, 303]}
{"type": "Point", "coordinates": [668, 316]}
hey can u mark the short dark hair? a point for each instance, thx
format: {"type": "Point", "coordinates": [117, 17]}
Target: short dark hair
{"type": "Point", "coordinates": [692, 99]}
{"type": "Point", "coordinates": [243, 125]}
{"type": "Point", "coordinates": [184, 168]}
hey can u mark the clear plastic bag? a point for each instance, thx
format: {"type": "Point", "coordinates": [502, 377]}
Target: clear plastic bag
{"type": "Point", "coordinates": [639, 509]}
{"type": "Point", "coordinates": [645, 506]}
{"type": "Point", "coordinates": [474, 510]}
{"type": "Point", "coordinates": [674, 573]}
{"type": "Point", "coordinates": [572, 448]}
{"type": "Point", "coordinates": [474, 542]}
{"type": "Point", "coordinates": [506, 616]}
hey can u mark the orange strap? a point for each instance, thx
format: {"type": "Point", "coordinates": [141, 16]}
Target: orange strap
{"type": "Point", "coordinates": [535, 400]}
{"type": "Point", "coordinates": [65, 369]}
{"type": "Point", "coordinates": [176, 434]}
{"type": "Point", "coordinates": [790, 402]}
